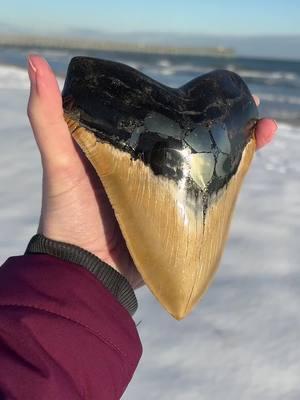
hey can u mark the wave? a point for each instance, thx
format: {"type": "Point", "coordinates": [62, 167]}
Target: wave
{"type": "Point", "coordinates": [288, 130]}
{"type": "Point", "coordinates": [268, 75]}
{"type": "Point", "coordinates": [279, 98]}
{"type": "Point", "coordinates": [165, 67]}
{"type": "Point", "coordinates": [277, 157]}
{"type": "Point", "coordinates": [13, 77]}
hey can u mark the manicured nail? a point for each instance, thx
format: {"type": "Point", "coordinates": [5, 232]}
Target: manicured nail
{"type": "Point", "coordinates": [32, 73]}
{"type": "Point", "coordinates": [31, 64]}
{"type": "Point", "coordinates": [275, 123]}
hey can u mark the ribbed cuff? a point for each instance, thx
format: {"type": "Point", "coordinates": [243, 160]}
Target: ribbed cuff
{"type": "Point", "coordinates": [116, 283]}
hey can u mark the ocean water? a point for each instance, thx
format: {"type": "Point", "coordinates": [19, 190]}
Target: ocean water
{"type": "Point", "coordinates": [276, 82]}
{"type": "Point", "coordinates": [243, 339]}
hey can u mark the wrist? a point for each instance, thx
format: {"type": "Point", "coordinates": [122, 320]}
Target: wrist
{"type": "Point", "coordinates": [116, 283]}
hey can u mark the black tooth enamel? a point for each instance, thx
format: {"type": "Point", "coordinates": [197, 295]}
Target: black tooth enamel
{"type": "Point", "coordinates": [154, 123]}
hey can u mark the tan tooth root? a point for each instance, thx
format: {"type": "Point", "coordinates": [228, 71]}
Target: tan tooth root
{"type": "Point", "coordinates": [175, 252]}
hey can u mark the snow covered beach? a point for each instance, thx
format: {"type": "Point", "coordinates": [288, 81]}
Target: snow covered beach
{"type": "Point", "coordinates": [242, 341]}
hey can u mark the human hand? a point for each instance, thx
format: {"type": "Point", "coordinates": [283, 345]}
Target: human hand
{"type": "Point", "coordinates": [75, 208]}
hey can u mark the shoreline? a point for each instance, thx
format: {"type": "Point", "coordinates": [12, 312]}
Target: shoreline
{"type": "Point", "coordinates": [49, 43]}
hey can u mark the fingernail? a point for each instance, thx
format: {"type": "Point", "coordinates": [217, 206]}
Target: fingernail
{"type": "Point", "coordinates": [32, 73]}
{"type": "Point", "coordinates": [31, 64]}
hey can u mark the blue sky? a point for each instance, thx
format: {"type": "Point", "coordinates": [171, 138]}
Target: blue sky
{"type": "Point", "coordinates": [236, 17]}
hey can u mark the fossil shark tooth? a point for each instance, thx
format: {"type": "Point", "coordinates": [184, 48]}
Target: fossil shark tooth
{"type": "Point", "coordinates": [171, 161]}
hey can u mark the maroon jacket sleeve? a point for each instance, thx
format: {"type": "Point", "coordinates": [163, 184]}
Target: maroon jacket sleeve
{"type": "Point", "coordinates": [63, 335]}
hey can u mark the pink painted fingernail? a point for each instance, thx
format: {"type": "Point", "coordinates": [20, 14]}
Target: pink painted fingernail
{"type": "Point", "coordinates": [275, 123]}
{"type": "Point", "coordinates": [32, 73]}
{"type": "Point", "coordinates": [31, 64]}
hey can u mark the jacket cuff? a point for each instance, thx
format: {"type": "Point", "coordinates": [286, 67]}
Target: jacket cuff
{"type": "Point", "coordinates": [116, 283]}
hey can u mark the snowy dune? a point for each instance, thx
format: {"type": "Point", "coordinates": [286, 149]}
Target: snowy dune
{"type": "Point", "coordinates": [243, 339]}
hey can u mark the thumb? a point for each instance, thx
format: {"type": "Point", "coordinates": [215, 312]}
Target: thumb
{"type": "Point", "coordinates": [45, 113]}
{"type": "Point", "coordinates": [264, 132]}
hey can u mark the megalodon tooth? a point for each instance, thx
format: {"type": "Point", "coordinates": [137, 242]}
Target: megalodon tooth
{"type": "Point", "coordinates": [171, 160]}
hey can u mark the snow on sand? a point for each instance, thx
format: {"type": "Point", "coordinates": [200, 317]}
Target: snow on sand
{"type": "Point", "coordinates": [243, 339]}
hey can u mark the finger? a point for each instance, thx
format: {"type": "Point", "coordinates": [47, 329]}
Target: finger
{"type": "Point", "coordinates": [256, 99]}
{"type": "Point", "coordinates": [265, 131]}
{"type": "Point", "coordinates": [46, 115]}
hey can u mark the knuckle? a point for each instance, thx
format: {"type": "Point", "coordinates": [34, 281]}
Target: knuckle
{"type": "Point", "coordinates": [61, 164]}
{"type": "Point", "coordinates": [29, 111]}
